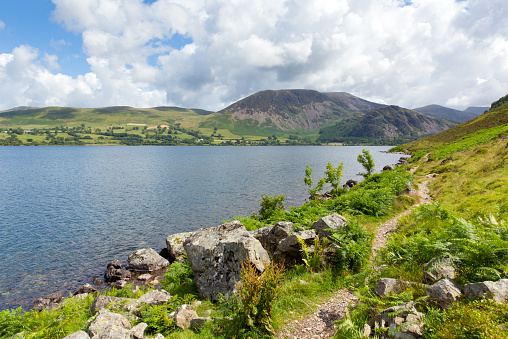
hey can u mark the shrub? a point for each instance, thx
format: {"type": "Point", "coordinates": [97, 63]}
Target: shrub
{"type": "Point", "coordinates": [354, 247]}
{"type": "Point", "coordinates": [313, 260]}
{"type": "Point", "coordinates": [270, 206]}
{"type": "Point", "coordinates": [253, 306]}
{"type": "Point", "coordinates": [365, 159]}
{"type": "Point", "coordinates": [332, 177]}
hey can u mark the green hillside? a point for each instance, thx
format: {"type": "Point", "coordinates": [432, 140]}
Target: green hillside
{"type": "Point", "coordinates": [450, 114]}
{"type": "Point", "coordinates": [385, 125]}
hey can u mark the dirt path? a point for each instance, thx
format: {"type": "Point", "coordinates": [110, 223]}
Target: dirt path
{"type": "Point", "coordinates": [320, 323]}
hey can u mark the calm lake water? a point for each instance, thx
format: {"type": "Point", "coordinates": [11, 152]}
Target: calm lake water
{"type": "Point", "coordinates": [65, 212]}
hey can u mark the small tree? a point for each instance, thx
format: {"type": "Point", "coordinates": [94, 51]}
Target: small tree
{"type": "Point", "coordinates": [332, 177]}
{"type": "Point", "coordinates": [365, 159]}
{"type": "Point", "coordinates": [271, 205]}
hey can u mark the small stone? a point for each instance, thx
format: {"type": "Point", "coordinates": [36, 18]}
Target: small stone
{"type": "Point", "coordinates": [144, 277]}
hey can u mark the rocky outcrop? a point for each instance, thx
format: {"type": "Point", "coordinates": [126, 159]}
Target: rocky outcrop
{"type": "Point", "coordinates": [183, 316]}
{"type": "Point", "coordinates": [488, 289]}
{"type": "Point", "coordinates": [78, 335]}
{"type": "Point", "coordinates": [438, 268]}
{"type": "Point", "coordinates": [107, 322]}
{"type": "Point", "coordinates": [333, 221]}
{"type": "Point", "coordinates": [270, 236]}
{"type": "Point", "coordinates": [146, 260]}
{"type": "Point", "coordinates": [48, 302]}
{"type": "Point", "coordinates": [115, 272]}
{"type": "Point", "coordinates": [289, 250]}
{"type": "Point", "coordinates": [86, 288]}
{"type": "Point", "coordinates": [216, 255]}
{"type": "Point", "coordinates": [388, 285]}
{"type": "Point", "coordinates": [402, 321]}
{"type": "Point", "coordinates": [132, 306]}
{"type": "Point", "coordinates": [444, 292]}
{"type": "Point", "coordinates": [174, 244]}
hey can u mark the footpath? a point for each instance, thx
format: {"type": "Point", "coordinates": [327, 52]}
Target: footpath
{"type": "Point", "coordinates": [320, 324]}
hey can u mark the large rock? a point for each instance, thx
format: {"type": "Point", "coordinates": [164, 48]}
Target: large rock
{"type": "Point", "coordinates": [438, 268]}
{"type": "Point", "coordinates": [49, 302]}
{"type": "Point", "coordinates": [333, 221]}
{"type": "Point", "coordinates": [389, 285]}
{"type": "Point", "coordinates": [85, 289]}
{"type": "Point", "coordinates": [402, 321]}
{"type": "Point", "coordinates": [174, 245]}
{"type": "Point", "coordinates": [138, 331]}
{"type": "Point", "coordinates": [146, 260]}
{"type": "Point", "coordinates": [105, 319]}
{"type": "Point", "coordinates": [114, 303]}
{"type": "Point", "coordinates": [270, 236]}
{"type": "Point", "coordinates": [289, 250]}
{"type": "Point", "coordinates": [488, 289]}
{"type": "Point", "coordinates": [115, 272]}
{"type": "Point", "coordinates": [216, 255]}
{"type": "Point", "coordinates": [78, 335]}
{"type": "Point", "coordinates": [113, 331]}
{"type": "Point", "coordinates": [444, 292]}
{"type": "Point", "coordinates": [183, 316]}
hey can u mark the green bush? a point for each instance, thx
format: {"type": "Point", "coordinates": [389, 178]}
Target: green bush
{"type": "Point", "coordinates": [355, 247]}
{"type": "Point", "coordinates": [313, 259]}
{"type": "Point", "coordinates": [271, 206]}
{"type": "Point", "coordinates": [253, 305]}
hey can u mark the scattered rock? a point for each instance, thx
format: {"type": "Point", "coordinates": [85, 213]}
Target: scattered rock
{"type": "Point", "coordinates": [113, 331]}
{"type": "Point", "coordinates": [488, 289]}
{"type": "Point", "coordinates": [446, 160]}
{"type": "Point", "coordinates": [174, 245]}
{"type": "Point", "coordinates": [438, 268]}
{"type": "Point", "coordinates": [183, 316]}
{"type": "Point", "coordinates": [78, 335]}
{"type": "Point", "coordinates": [444, 292]}
{"type": "Point", "coordinates": [155, 297]}
{"type": "Point", "coordinates": [146, 260]}
{"type": "Point", "coordinates": [106, 319]}
{"type": "Point", "coordinates": [197, 323]}
{"type": "Point", "coordinates": [86, 288]}
{"type": "Point", "coordinates": [97, 281]}
{"type": "Point", "coordinates": [387, 168]}
{"type": "Point", "coordinates": [333, 221]}
{"type": "Point", "coordinates": [389, 285]}
{"type": "Point", "coordinates": [350, 183]}
{"type": "Point", "coordinates": [216, 255]}
{"type": "Point", "coordinates": [138, 331]}
{"type": "Point", "coordinates": [115, 272]}
{"type": "Point", "coordinates": [402, 321]}
{"type": "Point", "coordinates": [49, 302]}
{"type": "Point", "coordinates": [145, 277]}
{"type": "Point", "coordinates": [270, 236]}
{"type": "Point", "coordinates": [115, 303]}
{"type": "Point", "coordinates": [289, 251]}
{"type": "Point", "coordinates": [120, 284]}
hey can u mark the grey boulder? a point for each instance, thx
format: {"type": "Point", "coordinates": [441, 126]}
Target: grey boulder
{"type": "Point", "coordinates": [402, 321]}
{"type": "Point", "coordinates": [174, 244]}
{"type": "Point", "coordinates": [289, 250]}
{"type": "Point", "coordinates": [333, 221]}
{"type": "Point", "coordinates": [444, 292]}
{"type": "Point", "coordinates": [488, 289]}
{"type": "Point", "coordinates": [270, 236]}
{"type": "Point", "coordinates": [78, 335]}
{"type": "Point", "coordinates": [106, 319]}
{"type": "Point", "coordinates": [216, 255]}
{"type": "Point", "coordinates": [146, 260]}
{"type": "Point", "coordinates": [438, 268]}
{"type": "Point", "coordinates": [49, 302]}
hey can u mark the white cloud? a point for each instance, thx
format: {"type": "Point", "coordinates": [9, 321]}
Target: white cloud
{"type": "Point", "coordinates": [2, 24]}
{"type": "Point", "coordinates": [429, 51]}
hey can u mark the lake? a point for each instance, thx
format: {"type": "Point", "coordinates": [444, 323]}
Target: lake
{"type": "Point", "coordinates": [65, 212]}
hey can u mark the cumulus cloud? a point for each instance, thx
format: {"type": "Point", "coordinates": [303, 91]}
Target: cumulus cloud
{"type": "Point", "coordinates": [411, 54]}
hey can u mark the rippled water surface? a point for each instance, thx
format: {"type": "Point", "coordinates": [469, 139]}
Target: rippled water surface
{"type": "Point", "coordinates": [65, 212]}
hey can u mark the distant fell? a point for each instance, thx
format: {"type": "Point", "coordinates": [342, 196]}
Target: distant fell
{"type": "Point", "coordinates": [476, 110]}
{"type": "Point", "coordinates": [287, 110]}
{"type": "Point", "coordinates": [497, 116]}
{"type": "Point", "coordinates": [451, 114]}
{"type": "Point", "coordinates": [388, 124]}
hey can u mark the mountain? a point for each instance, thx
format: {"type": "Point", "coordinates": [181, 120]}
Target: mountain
{"type": "Point", "coordinates": [476, 110]}
{"type": "Point", "coordinates": [495, 120]}
{"type": "Point", "coordinates": [451, 114]}
{"type": "Point", "coordinates": [289, 110]}
{"type": "Point", "coordinates": [388, 123]}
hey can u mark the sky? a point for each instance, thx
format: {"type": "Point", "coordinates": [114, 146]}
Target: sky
{"type": "Point", "coordinates": [210, 53]}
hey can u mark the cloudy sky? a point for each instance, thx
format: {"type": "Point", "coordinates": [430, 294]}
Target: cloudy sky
{"type": "Point", "coordinates": [209, 53]}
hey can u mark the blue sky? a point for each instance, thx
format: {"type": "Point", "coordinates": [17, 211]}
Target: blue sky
{"type": "Point", "coordinates": [208, 54]}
